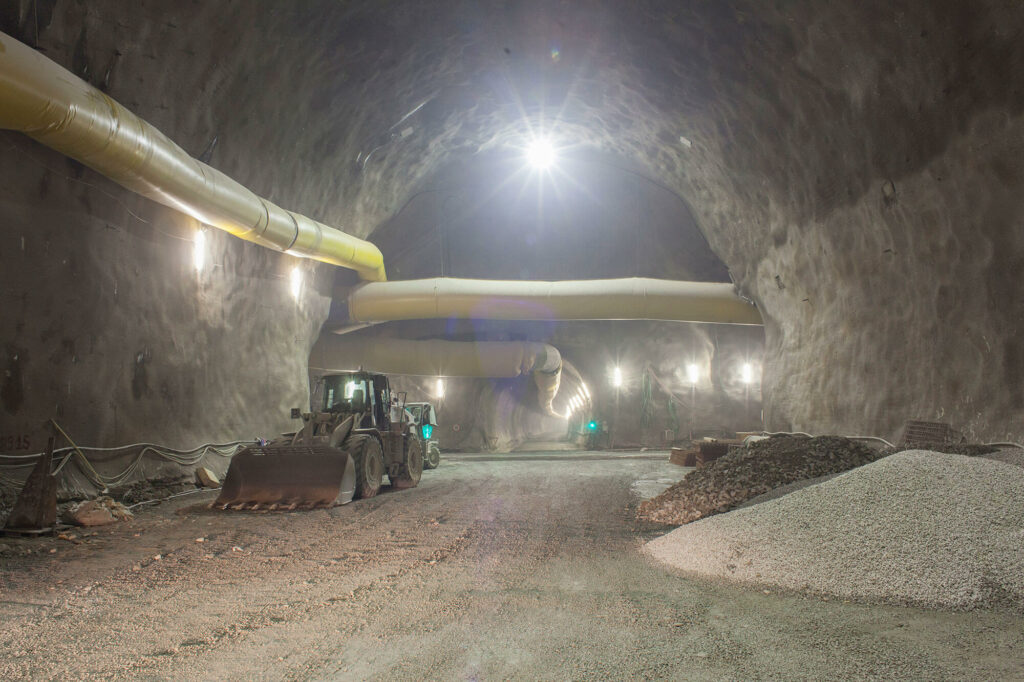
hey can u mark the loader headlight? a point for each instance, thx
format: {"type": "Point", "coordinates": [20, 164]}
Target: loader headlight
{"type": "Point", "coordinates": [427, 430]}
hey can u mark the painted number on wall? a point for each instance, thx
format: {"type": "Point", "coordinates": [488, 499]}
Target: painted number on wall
{"type": "Point", "coordinates": [19, 442]}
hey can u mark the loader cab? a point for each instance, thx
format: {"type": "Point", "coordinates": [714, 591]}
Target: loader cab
{"type": "Point", "coordinates": [358, 392]}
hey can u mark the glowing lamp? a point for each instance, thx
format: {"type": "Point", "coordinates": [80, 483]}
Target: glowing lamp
{"type": "Point", "coordinates": [296, 282]}
{"type": "Point", "coordinates": [540, 154]}
{"type": "Point", "coordinates": [747, 373]}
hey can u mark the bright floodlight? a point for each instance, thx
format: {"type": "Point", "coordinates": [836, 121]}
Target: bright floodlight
{"type": "Point", "coordinates": [199, 250]}
{"type": "Point", "coordinates": [617, 377]}
{"type": "Point", "coordinates": [439, 389]}
{"type": "Point", "coordinates": [540, 154]}
{"type": "Point", "coordinates": [586, 391]}
{"type": "Point", "coordinates": [748, 373]}
{"type": "Point", "coordinates": [296, 282]}
{"type": "Point", "coordinates": [692, 373]}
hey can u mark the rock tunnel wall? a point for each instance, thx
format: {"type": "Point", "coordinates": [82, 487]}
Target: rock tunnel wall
{"type": "Point", "coordinates": [855, 165]}
{"type": "Point", "coordinates": [106, 326]}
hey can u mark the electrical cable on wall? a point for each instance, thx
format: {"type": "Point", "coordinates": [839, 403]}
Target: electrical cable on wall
{"type": "Point", "coordinates": [181, 457]}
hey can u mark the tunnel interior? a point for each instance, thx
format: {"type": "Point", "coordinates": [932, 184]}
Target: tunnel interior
{"type": "Point", "coordinates": [864, 198]}
{"type": "Point", "coordinates": [613, 240]}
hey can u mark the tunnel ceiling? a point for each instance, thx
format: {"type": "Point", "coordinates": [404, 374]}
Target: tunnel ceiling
{"type": "Point", "coordinates": [855, 165]}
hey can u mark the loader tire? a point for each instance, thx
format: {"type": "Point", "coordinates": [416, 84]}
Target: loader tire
{"type": "Point", "coordinates": [369, 465]}
{"type": "Point", "coordinates": [432, 457]}
{"type": "Point", "coordinates": [411, 469]}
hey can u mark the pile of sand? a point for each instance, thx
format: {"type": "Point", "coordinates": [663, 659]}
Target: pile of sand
{"type": "Point", "coordinates": [917, 527]}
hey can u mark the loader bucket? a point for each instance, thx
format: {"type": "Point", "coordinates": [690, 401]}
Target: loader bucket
{"type": "Point", "coordinates": [288, 476]}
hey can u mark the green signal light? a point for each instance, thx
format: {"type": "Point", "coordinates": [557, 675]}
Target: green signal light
{"type": "Point", "coordinates": [427, 430]}
{"type": "Point", "coordinates": [592, 426]}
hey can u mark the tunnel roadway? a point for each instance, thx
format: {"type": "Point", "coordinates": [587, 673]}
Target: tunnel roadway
{"type": "Point", "coordinates": [498, 566]}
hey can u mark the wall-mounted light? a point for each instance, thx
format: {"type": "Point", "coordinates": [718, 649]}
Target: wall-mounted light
{"type": "Point", "coordinates": [540, 153]}
{"type": "Point", "coordinates": [199, 250]}
{"type": "Point", "coordinates": [692, 373]}
{"type": "Point", "coordinates": [296, 282]}
{"type": "Point", "coordinates": [439, 388]}
{"type": "Point", "coordinates": [747, 373]}
{"type": "Point", "coordinates": [617, 377]}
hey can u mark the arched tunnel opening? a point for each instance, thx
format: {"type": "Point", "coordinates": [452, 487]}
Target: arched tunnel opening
{"type": "Point", "coordinates": [457, 339]}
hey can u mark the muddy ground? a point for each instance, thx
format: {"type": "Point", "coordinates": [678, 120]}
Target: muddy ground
{"type": "Point", "coordinates": [497, 566]}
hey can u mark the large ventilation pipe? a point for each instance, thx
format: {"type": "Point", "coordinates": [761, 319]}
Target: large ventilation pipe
{"type": "Point", "coordinates": [634, 298]}
{"type": "Point", "coordinates": [50, 104]}
{"type": "Point", "coordinates": [484, 359]}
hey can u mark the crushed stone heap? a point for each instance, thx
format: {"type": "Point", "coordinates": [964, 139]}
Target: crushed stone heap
{"type": "Point", "coordinates": [915, 528]}
{"type": "Point", "coordinates": [748, 472]}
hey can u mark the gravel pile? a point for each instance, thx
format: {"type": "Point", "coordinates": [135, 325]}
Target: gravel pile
{"type": "Point", "coordinates": [918, 527]}
{"type": "Point", "coordinates": [969, 449]}
{"type": "Point", "coordinates": [1011, 456]}
{"type": "Point", "coordinates": [749, 472]}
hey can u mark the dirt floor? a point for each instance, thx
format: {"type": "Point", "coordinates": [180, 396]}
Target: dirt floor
{"type": "Point", "coordinates": [497, 566]}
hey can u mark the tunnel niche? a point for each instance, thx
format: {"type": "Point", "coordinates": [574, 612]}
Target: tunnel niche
{"type": "Point", "coordinates": [493, 216]}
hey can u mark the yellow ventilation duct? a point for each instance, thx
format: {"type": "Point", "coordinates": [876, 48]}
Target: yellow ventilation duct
{"type": "Point", "coordinates": [634, 298]}
{"type": "Point", "coordinates": [484, 359]}
{"type": "Point", "coordinates": [48, 103]}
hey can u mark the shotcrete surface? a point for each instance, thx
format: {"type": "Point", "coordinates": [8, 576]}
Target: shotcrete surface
{"type": "Point", "coordinates": [522, 566]}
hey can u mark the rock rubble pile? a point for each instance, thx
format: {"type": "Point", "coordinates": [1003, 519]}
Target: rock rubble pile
{"type": "Point", "coordinates": [748, 472]}
{"type": "Point", "coordinates": [918, 528]}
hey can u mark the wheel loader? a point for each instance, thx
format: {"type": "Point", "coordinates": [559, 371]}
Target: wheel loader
{"type": "Point", "coordinates": [358, 432]}
{"type": "Point", "coordinates": [425, 417]}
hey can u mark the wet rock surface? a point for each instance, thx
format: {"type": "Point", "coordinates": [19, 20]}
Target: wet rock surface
{"type": "Point", "coordinates": [746, 473]}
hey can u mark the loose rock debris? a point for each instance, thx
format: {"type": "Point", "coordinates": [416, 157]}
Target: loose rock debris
{"type": "Point", "coordinates": [98, 512]}
{"type": "Point", "coordinates": [748, 472]}
{"type": "Point", "coordinates": [918, 527]}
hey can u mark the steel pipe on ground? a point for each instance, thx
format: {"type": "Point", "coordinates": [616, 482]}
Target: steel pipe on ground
{"type": "Point", "coordinates": [634, 298]}
{"type": "Point", "coordinates": [40, 98]}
